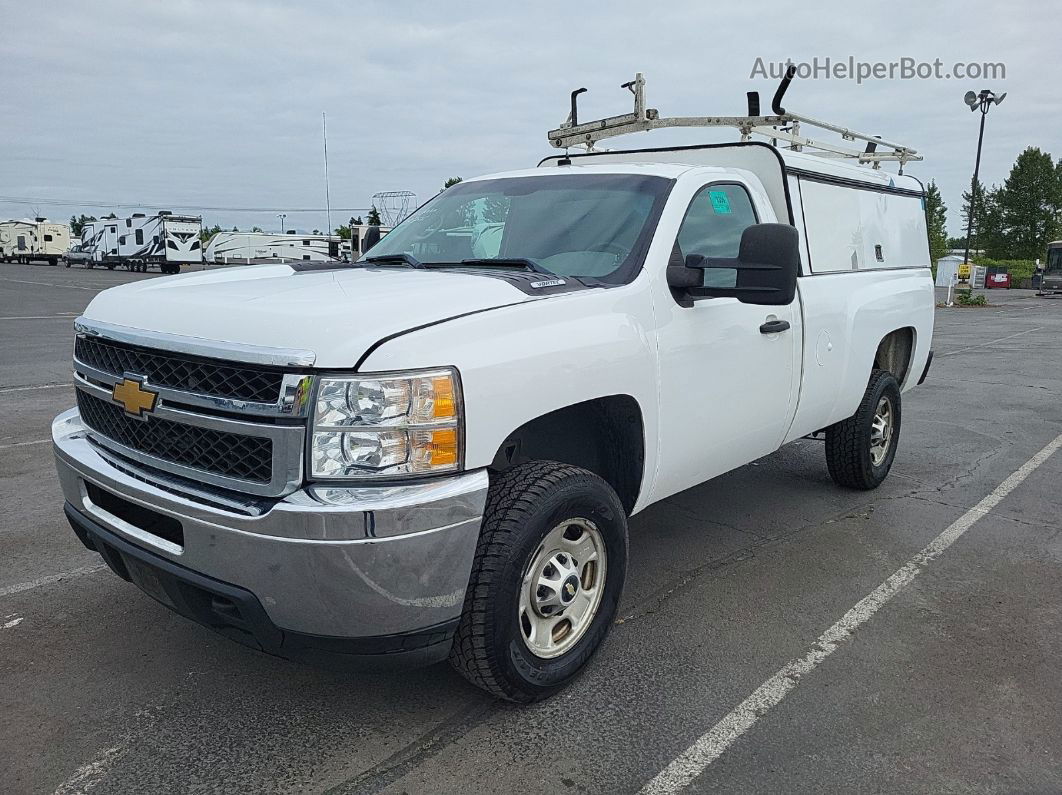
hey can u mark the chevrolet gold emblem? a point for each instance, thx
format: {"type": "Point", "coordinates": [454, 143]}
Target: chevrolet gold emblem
{"type": "Point", "coordinates": [135, 399]}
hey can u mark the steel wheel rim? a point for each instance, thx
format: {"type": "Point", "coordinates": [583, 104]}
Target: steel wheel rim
{"type": "Point", "coordinates": [562, 588]}
{"type": "Point", "coordinates": [881, 428]}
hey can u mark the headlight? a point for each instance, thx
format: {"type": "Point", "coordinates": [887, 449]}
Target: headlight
{"type": "Point", "coordinates": [390, 424]}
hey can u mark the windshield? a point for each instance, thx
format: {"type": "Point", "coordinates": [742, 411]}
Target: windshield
{"type": "Point", "coordinates": [579, 225]}
{"type": "Point", "coordinates": [1054, 259]}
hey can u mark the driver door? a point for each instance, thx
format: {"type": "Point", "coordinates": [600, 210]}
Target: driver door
{"type": "Point", "coordinates": [727, 374]}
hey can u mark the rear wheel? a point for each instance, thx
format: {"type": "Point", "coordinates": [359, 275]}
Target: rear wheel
{"type": "Point", "coordinates": [546, 580]}
{"type": "Point", "coordinates": [860, 450]}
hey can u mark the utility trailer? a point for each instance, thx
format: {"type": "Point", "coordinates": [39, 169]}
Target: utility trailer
{"type": "Point", "coordinates": [36, 239]}
{"type": "Point", "coordinates": [140, 241]}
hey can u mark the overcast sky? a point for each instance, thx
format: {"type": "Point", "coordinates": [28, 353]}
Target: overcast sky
{"type": "Point", "coordinates": [218, 104]}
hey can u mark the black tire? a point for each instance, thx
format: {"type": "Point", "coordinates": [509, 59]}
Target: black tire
{"type": "Point", "coordinates": [110, 266]}
{"type": "Point", "coordinates": [848, 443]}
{"type": "Point", "coordinates": [523, 505]}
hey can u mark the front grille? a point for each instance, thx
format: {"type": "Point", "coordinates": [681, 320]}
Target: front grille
{"type": "Point", "coordinates": [180, 371]}
{"type": "Point", "coordinates": [223, 453]}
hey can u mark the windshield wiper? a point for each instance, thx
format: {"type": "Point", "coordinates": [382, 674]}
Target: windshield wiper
{"type": "Point", "coordinates": [507, 262]}
{"type": "Point", "coordinates": [408, 259]}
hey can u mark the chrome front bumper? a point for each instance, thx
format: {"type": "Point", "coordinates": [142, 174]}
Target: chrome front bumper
{"type": "Point", "coordinates": [341, 563]}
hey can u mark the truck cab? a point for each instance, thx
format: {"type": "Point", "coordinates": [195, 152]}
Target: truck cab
{"type": "Point", "coordinates": [432, 453]}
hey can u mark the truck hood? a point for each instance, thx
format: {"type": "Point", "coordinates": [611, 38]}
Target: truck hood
{"type": "Point", "coordinates": [337, 314]}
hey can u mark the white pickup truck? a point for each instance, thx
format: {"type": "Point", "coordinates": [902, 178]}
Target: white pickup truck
{"type": "Point", "coordinates": [433, 452]}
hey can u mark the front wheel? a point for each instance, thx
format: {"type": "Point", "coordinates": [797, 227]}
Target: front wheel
{"type": "Point", "coordinates": [546, 580]}
{"type": "Point", "coordinates": [860, 449]}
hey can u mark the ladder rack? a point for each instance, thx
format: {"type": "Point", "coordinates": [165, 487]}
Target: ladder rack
{"type": "Point", "coordinates": [781, 126]}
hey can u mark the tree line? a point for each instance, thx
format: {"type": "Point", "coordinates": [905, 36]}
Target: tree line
{"type": "Point", "coordinates": [1012, 221]}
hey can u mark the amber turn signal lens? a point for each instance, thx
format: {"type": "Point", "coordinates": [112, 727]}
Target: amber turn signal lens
{"type": "Point", "coordinates": [445, 403]}
{"type": "Point", "coordinates": [443, 447]}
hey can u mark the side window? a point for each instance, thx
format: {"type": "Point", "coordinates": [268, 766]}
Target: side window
{"type": "Point", "coordinates": [713, 225]}
{"type": "Point", "coordinates": [140, 237]}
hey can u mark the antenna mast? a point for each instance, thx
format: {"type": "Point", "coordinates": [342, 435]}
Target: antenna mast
{"type": "Point", "coordinates": [328, 201]}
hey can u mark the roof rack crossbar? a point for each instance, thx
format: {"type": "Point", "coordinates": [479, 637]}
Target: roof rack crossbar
{"type": "Point", "coordinates": [784, 126]}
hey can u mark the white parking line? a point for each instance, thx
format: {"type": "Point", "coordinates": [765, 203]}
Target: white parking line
{"type": "Point", "coordinates": [23, 444]}
{"type": "Point", "coordinates": [711, 745]}
{"type": "Point", "coordinates": [37, 583]}
{"type": "Point", "coordinates": [992, 342]}
{"type": "Point", "coordinates": [52, 284]}
{"type": "Point", "coordinates": [88, 776]}
{"type": "Point", "coordinates": [35, 386]}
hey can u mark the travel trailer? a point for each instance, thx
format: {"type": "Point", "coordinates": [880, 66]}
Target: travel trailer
{"type": "Point", "coordinates": [363, 237]}
{"type": "Point", "coordinates": [274, 246]}
{"type": "Point", "coordinates": [432, 453]}
{"type": "Point", "coordinates": [249, 247]}
{"type": "Point", "coordinates": [37, 239]}
{"type": "Point", "coordinates": [140, 241]}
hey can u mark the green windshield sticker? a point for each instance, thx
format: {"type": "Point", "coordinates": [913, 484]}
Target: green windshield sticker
{"type": "Point", "coordinates": [720, 201]}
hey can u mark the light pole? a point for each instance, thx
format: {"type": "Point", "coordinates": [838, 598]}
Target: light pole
{"type": "Point", "coordinates": [282, 216]}
{"type": "Point", "coordinates": [982, 102]}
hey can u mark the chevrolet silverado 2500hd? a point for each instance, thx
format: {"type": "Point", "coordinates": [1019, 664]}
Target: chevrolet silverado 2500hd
{"type": "Point", "coordinates": [433, 452]}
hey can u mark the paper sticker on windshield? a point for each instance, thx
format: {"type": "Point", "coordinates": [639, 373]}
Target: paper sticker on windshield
{"type": "Point", "coordinates": [720, 201]}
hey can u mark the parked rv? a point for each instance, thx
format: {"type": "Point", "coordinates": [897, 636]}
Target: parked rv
{"type": "Point", "coordinates": [364, 237]}
{"type": "Point", "coordinates": [140, 241]}
{"type": "Point", "coordinates": [248, 247]}
{"type": "Point", "coordinates": [433, 453]}
{"type": "Point", "coordinates": [36, 239]}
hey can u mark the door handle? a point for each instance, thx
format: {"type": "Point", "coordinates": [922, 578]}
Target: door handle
{"type": "Point", "coordinates": [774, 326]}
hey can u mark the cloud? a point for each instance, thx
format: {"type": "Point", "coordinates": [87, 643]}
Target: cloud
{"type": "Point", "coordinates": [219, 103]}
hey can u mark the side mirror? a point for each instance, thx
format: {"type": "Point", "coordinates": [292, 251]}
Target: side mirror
{"type": "Point", "coordinates": [766, 268]}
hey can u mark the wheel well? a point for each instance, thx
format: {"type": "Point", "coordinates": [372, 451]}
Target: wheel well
{"type": "Point", "coordinates": [894, 353]}
{"type": "Point", "coordinates": [604, 435]}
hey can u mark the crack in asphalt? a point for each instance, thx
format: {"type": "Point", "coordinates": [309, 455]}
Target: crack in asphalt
{"type": "Point", "coordinates": [656, 599]}
{"type": "Point", "coordinates": [415, 753]}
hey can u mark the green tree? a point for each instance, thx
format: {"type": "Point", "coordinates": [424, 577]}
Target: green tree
{"type": "Point", "coordinates": [357, 221]}
{"type": "Point", "coordinates": [450, 183]}
{"type": "Point", "coordinates": [77, 224]}
{"type": "Point", "coordinates": [235, 229]}
{"type": "Point", "coordinates": [936, 221]}
{"type": "Point", "coordinates": [256, 229]}
{"type": "Point", "coordinates": [967, 198]}
{"type": "Point", "coordinates": [1030, 206]}
{"type": "Point", "coordinates": [208, 232]}
{"type": "Point", "coordinates": [989, 232]}
{"type": "Point", "coordinates": [374, 217]}
{"type": "Point", "coordinates": [343, 230]}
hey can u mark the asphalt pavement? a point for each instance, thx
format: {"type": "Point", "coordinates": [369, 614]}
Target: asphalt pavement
{"type": "Point", "coordinates": [951, 684]}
